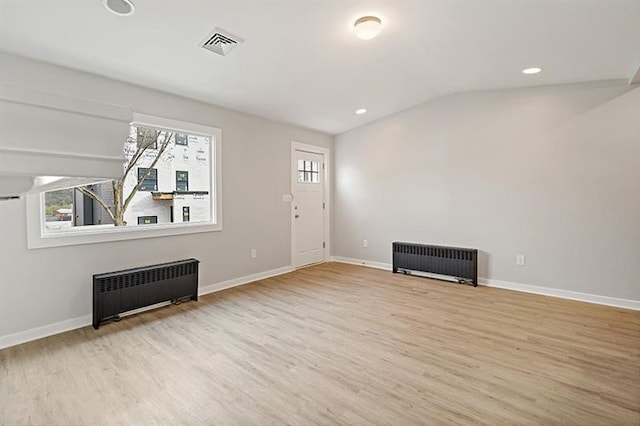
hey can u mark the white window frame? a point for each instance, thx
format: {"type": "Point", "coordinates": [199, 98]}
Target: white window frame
{"type": "Point", "coordinates": [37, 238]}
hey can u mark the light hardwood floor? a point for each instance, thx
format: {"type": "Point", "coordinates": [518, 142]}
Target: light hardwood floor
{"type": "Point", "coordinates": [337, 344]}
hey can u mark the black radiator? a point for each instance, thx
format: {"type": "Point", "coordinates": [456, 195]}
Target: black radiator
{"type": "Point", "coordinates": [122, 291]}
{"type": "Point", "coordinates": [459, 263]}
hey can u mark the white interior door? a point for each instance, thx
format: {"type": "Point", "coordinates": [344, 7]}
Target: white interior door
{"type": "Point", "coordinates": [307, 210]}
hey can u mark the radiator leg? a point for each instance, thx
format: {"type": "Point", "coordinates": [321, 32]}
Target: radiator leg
{"type": "Point", "coordinates": [465, 281]}
{"type": "Point", "coordinates": [183, 299]}
{"type": "Point", "coordinates": [114, 318]}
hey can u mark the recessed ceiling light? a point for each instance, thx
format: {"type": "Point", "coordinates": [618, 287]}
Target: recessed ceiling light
{"type": "Point", "coordinates": [367, 27]}
{"type": "Point", "coordinates": [532, 70]}
{"type": "Point", "coordinates": [120, 7]}
{"type": "Point", "coordinates": [361, 111]}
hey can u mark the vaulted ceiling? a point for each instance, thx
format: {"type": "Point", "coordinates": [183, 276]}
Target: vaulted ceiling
{"type": "Point", "coordinates": [301, 63]}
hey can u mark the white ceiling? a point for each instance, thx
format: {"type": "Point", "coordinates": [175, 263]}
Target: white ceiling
{"type": "Point", "coordinates": [301, 63]}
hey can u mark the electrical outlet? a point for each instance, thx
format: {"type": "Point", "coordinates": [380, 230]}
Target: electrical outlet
{"type": "Point", "coordinates": [520, 259]}
{"type": "Point", "coordinates": [254, 253]}
{"type": "Point", "coordinates": [365, 243]}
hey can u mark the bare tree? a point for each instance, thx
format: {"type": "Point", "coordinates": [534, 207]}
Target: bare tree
{"type": "Point", "coordinates": [146, 138]}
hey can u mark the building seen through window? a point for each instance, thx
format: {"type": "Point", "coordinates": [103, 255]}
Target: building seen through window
{"type": "Point", "coordinates": [164, 171]}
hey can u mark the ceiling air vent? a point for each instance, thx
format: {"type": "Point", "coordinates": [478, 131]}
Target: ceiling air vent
{"type": "Point", "coordinates": [221, 42]}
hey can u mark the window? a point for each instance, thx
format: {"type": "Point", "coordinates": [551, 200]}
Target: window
{"type": "Point", "coordinates": [148, 178]}
{"type": "Point", "coordinates": [147, 220]}
{"type": "Point", "coordinates": [182, 139]}
{"type": "Point", "coordinates": [182, 181]}
{"type": "Point", "coordinates": [58, 209]}
{"type": "Point", "coordinates": [146, 138]}
{"type": "Point", "coordinates": [308, 171]}
{"type": "Point", "coordinates": [156, 151]}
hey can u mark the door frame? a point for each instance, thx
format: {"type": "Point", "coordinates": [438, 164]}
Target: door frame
{"type": "Point", "coordinates": [326, 196]}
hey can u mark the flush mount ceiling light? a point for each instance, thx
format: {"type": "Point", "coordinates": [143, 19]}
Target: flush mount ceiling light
{"type": "Point", "coordinates": [367, 27]}
{"type": "Point", "coordinates": [361, 111]}
{"type": "Point", "coordinates": [120, 7]}
{"type": "Point", "coordinates": [532, 70]}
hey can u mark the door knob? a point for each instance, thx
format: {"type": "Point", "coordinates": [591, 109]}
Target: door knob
{"type": "Point", "coordinates": [297, 216]}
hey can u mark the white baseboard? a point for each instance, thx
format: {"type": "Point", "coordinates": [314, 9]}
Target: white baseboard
{"type": "Point", "coordinates": [79, 322]}
{"type": "Point", "coordinates": [244, 280]}
{"type": "Point", "coordinates": [563, 294]}
{"type": "Point", "coordinates": [526, 288]}
{"type": "Point", "coordinates": [351, 261]}
{"type": "Point", "coordinates": [44, 331]}
{"type": "Point", "coordinates": [74, 323]}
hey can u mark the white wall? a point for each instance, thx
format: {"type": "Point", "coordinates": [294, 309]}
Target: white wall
{"type": "Point", "coordinates": [46, 286]}
{"type": "Point", "coordinates": [552, 173]}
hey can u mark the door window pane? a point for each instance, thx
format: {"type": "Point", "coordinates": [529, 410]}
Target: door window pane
{"type": "Point", "coordinates": [308, 171]}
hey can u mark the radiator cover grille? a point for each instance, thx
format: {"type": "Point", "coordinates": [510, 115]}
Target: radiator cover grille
{"type": "Point", "coordinates": [457, 262]}
{"type": "Point", "coordinates": [121, 291]}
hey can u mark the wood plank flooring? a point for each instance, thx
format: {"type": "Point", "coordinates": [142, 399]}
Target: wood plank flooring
{"type": "Point", "coordinates": [337, 344]}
